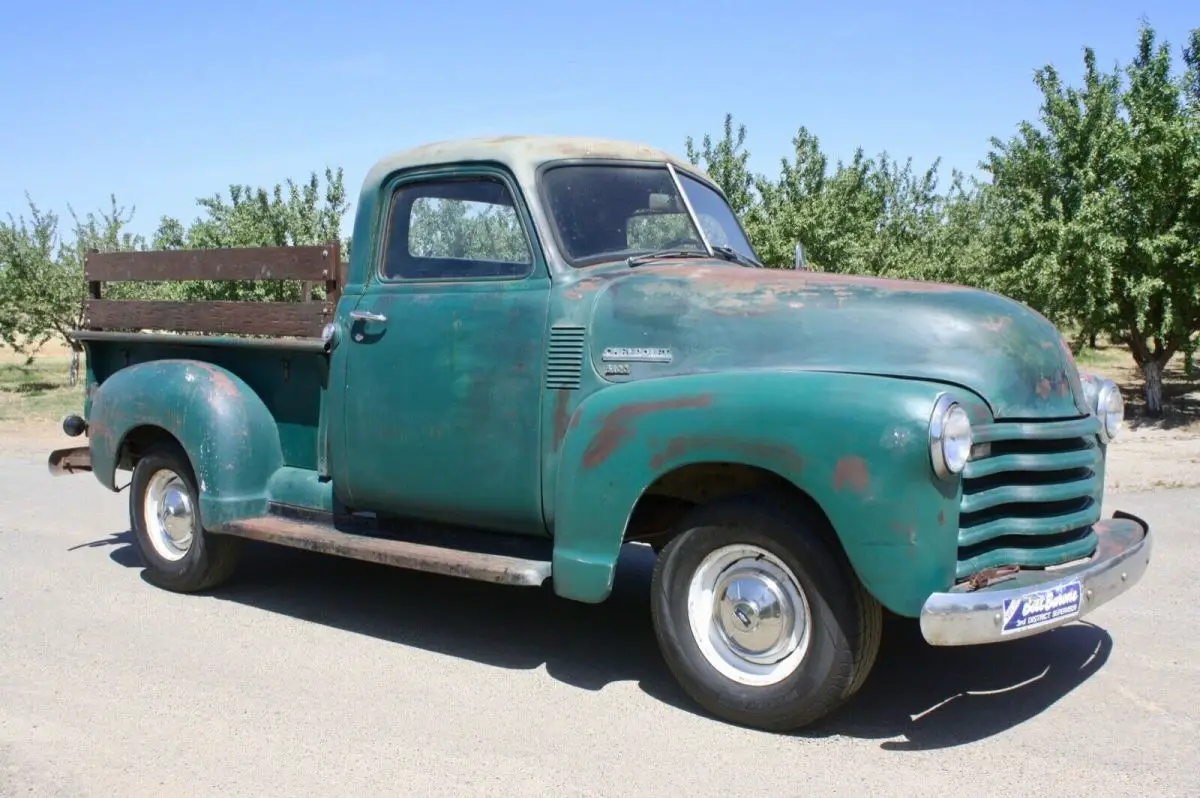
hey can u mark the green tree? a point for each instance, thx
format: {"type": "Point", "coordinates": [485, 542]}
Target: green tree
{"type": "Point", "coordinates": [289, 214]}
{"type": "Point", "coordinates": [42, 289]}
{"type": "Point", "coordinates": [1094, 217]}
{"type": "Point", "coordinates": [453, 228]}
{"type": "Point", "coordinates": [726, 163]}
{"type": "Point", "coordinates": [29, 277]}
{"type": "Point", "coordinates": [865, 216]}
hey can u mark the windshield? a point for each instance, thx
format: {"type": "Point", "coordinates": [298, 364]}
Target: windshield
{"type": "Point", "coordinates": [605, 212]}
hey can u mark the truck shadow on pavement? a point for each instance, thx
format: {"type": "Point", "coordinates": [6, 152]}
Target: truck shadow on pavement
{"type": "Point", "coordinates": [926, 697]}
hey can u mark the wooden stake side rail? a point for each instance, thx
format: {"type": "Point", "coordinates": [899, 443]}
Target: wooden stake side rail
{"type": "Point", "coordinates": [303, 319]}
{"type": "Point", "coordinates": [309, 264]}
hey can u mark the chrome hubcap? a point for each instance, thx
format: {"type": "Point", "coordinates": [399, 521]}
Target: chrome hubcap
{"type": "Point", "coordinates": [170, 516]}
{"type": "Point", "coordinates": [748, 615]}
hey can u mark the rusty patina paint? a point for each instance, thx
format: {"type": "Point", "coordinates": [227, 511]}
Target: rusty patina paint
{"type": "Point", "coordinates": [990, 576]}
{"type": "Point", "coordinates": [214, 414]}
{"type": "Point", "coordinates": [325, 539]}
{"type": "Point", "coordinates": [617, 426]}
{"type": "Point", "coordinates": [562, 415]}
{"type": "Point", "coordinates": [453, 380]}
{"type": "Point", "coordinates": [622, 445]}
{"type": "Point", "coordinates": [851, 472]}
{"type": "Point", "coordinates": [726, 317]}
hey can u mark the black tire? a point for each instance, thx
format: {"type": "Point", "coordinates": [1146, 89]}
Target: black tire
{"type": "Point", "coordinates": [845, 626]}
{"type": "Point", "coordinates": [210, 559]}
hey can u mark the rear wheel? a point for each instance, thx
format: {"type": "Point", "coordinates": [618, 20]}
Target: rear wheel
{"type": "Point", "coordinates": [164, 511]}
{"type": "Point", "coordinates": [761, 623]}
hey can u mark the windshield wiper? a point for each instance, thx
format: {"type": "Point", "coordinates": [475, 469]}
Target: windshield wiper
{"type": "Point", "coordinates": [638, 260]}
{"type": "Point", "coordinates": [723, 252]}
{"type": "Point", "coordinates": [731, 254]}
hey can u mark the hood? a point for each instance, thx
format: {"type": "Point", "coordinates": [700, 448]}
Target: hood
{"type": "Point", "coordinates": [719, 316]}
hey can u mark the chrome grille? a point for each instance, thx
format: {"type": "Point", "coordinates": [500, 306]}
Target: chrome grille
{"type": "Point", "coordinates": [1031, 495]}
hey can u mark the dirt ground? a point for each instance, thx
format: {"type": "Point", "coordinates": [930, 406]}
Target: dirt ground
{"type": "Point", "coordinates": [1147, 455]}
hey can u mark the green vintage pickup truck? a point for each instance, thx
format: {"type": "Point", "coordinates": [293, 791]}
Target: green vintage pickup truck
{"type": "Point", "coordinates": [543, 349]}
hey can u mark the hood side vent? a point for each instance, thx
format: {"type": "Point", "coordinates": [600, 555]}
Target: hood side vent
{"type": "Point", "coordinates": [564, 357]}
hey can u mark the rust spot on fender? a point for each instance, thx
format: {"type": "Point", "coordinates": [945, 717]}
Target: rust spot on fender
{"type": "Point", "coordinates": [561, 417]}
{"type": "Point", "coordinates": [220, 380]}
{"type": "Point", "coordinates": [941, 517]}
{"type": "Point", "coordinates": [736, 292]}
{"type": "Point", "coordinates": [585, 287]}
{"type": "Point", "coordinates": [851, 471]}
{"type": "Point", "coordinates": [680, 448]}
{"type": "Point", "coordinates": [778, 280]}
{"type": "Point", "coordinates": [617, 426]}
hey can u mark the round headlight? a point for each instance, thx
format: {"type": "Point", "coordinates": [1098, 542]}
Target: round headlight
{"type": "Point", "coordinates": [1110, 407]}
{"type": "Point", "coordinates": [950, 438]}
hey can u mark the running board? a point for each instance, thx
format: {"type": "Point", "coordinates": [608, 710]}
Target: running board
{"type": "Point", "coordinates": [326, 539]}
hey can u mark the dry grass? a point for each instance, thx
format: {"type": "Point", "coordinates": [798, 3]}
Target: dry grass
{"type": "Point", "coordinates": [49, 351]}
{"type": "Point", "coordinates": [38, 392]}
{"type": "Point", "coordinates": [1181, 393]}
{"type": "Point", "coordinates": [35, 398]}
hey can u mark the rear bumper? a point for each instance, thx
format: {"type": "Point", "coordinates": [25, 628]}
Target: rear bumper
{"type": "Point", "coordinates": [70, 461]}
{"type": "Point", "coordinates": [1033, 602]}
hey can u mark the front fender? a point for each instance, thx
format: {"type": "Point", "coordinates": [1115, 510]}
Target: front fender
{"type": "Point", "coordinates": [856, 444]}
{"type": "Point", "coordinates": [222, 424]}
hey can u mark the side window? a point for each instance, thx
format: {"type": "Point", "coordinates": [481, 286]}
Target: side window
{"type": "Point", "coordinates": [455, 228]}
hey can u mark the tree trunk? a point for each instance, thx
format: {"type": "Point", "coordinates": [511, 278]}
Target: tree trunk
{"type": "Point", "coordinates": [1152, 371]}
{"type": "Point", "coordinates": [73, 376]}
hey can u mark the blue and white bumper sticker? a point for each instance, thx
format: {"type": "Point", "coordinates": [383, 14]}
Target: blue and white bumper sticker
{"type": "Point", "coordinates": [1042, 607]}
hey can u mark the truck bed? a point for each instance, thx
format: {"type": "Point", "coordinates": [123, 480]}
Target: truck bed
{"type": "Point", "coordinates": [275, 347]}
{"type": "Point", "coordinates": [289, 374]}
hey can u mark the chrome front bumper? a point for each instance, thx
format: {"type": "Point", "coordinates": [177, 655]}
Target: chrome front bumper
{"type": "Point", "coordinates": [1032, 602]}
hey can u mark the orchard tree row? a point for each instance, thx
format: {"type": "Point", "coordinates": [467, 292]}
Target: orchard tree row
{"type": "Point", "coordinates": [1090, 214]}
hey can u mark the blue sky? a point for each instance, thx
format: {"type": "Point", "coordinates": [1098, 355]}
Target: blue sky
{"type": "Point", "coordinates": [163, 102]}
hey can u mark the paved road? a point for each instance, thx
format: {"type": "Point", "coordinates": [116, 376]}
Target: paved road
{"type": "Point", "coordinates": [315, 676]}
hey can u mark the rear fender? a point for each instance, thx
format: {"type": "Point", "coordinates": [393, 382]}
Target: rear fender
{"type": "Point", "coordinates": [857, 445]}
{"type": "Point", "coordinates": [222, 424]}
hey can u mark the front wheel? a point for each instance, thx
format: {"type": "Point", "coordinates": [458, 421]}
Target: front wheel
{"type": "Point", "coordinates": [164, 511]}
{"type": "Point", "coordinates": [756, 617]}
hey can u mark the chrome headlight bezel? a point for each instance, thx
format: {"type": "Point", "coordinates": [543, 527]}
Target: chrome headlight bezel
{"type": "Point", "coordinates": [1110, 409]}
{"type": "Point", "coordinates": [950, 437]}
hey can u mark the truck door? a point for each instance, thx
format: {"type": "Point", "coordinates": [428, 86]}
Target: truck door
{"type": "Point", "coordinates": [444, 357]}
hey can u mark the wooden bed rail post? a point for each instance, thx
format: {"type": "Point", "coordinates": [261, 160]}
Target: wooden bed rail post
{"type": "Point", "coordinates": [306, 318]}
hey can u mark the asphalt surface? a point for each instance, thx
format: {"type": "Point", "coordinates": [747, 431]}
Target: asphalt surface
{"type": "Point", "coordinates": [318, 676]}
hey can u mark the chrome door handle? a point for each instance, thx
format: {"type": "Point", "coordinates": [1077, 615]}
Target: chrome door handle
{"type": "Point", "coordinates": [366, 315]}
